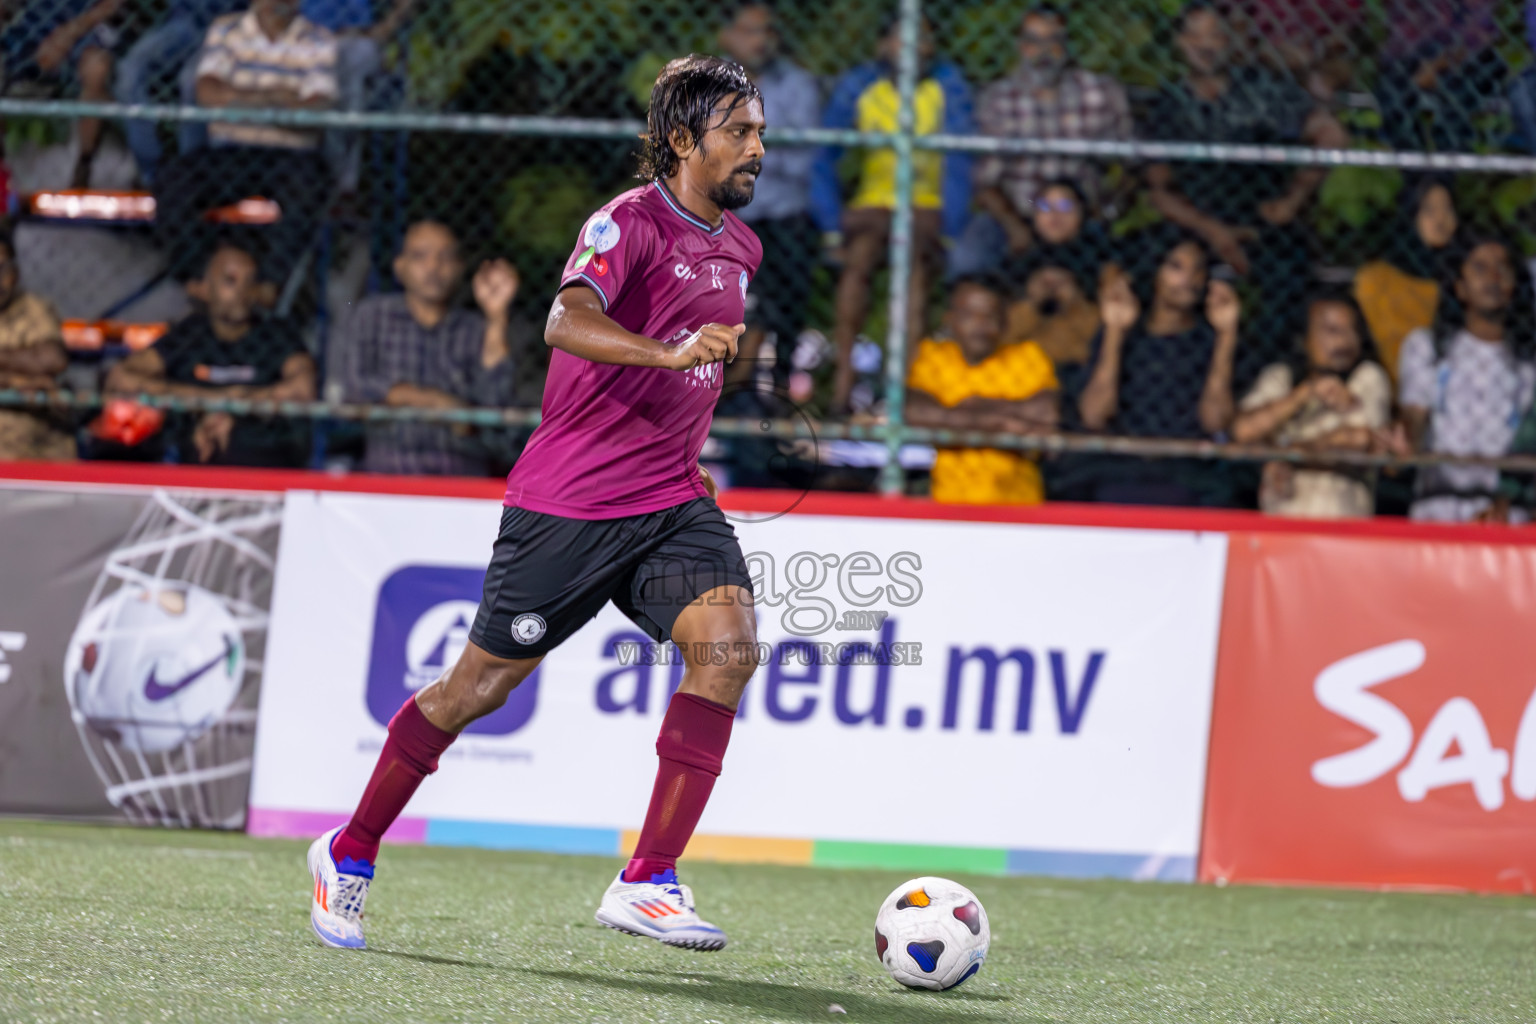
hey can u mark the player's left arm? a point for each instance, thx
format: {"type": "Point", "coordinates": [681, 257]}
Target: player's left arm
{"type": "Point", "coordinates": [578, 325]}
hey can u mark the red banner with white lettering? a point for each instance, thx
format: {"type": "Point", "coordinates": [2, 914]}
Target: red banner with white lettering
{"type": "Point", "coordinates": [1375, 715]}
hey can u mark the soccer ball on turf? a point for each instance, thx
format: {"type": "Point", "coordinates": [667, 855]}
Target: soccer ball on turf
{"type": "Point", "coordinates": [153, 667]}
{"type": "Point", "coordinates": [931, 933]}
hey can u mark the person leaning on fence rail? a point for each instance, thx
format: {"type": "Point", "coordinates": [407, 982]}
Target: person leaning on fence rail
{"type": "Point", "coordinates": [1247, 214]}
{"type": "Point", "coordinates": [1057, 277]}
{"type": "Point", "coordinates": [32, 358]}
{"type": "Point", "coordinates": [865, 98]}
{"type": "Point", "coordinates": [53, 42]}
{"type": "Point", "coordinates": [1400, 292]}
{"type": "Point", "coordinates": [781, 212]}
{"type": "Point", "coordinates": [966, 379]}
{"type": "Point", "coordinates": [417, 349]}
{"type": "Point", "coordinates": [1466, 383]}
{"type": "Point", "coordinates": [227, 350]}
{"type": "Point", "coordinates": [268, 56]}
{"type": "Point", "coordinates": [1331, 395]}
{"type": "Point", "coordinates": [1162, 367]}
{"type": "Point", "coordinates": [1046, 97]}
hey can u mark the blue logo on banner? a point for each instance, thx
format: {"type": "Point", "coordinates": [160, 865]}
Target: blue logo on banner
{"type": "Point", "coordinates": [419, 629]}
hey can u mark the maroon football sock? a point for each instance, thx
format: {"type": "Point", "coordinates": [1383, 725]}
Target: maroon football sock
{"type": "Point", "coordinates": [410, 754]}
{"type": "Point", "coordinates": [694, 735]}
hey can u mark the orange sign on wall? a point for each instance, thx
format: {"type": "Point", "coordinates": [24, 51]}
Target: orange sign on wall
{"type": "Point", "coordinates": [1375, 714]}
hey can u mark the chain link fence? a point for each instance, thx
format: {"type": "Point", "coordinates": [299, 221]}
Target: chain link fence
{"type": "Point", "coordinates": [1297, 225]}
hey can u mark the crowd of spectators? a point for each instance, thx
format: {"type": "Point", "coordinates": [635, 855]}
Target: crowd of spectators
{"type": "Point", "coordinates": [1205, 320]}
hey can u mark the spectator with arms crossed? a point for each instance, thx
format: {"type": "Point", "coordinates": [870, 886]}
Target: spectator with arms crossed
{"type": "Point", "coordinates": [227, 352]}
{"type": "Point", "coordinates": [1246, 214]}
{"type": "Point", "coordinates": [1467, 382]}
{"type": "Point", "coordinates": [1165, 374]}
{"type": "Point", "coordinates": [865, 98]}
{"type": "Point", "coordinates": [1330, 396]}
{"type": "Point", "coordinates": [416, 349]}
{"type": "Point", "coordinates": [1047, 97]}
{"type": "Point", "coordinates": [32, 357]}
{"type": "Point", "coordinates": [268, 56]}
{"type": "Point", "coordinates": [963, 380]}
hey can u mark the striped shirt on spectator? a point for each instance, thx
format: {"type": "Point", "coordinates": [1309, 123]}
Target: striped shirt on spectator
{"type": "Point", "coordinates": [237, 52]}
{"type": "Point", "coordinates": [1084, 106]}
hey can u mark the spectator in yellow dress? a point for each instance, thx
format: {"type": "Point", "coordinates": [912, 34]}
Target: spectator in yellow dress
{"type": "Point", "coordinates": [1400, 293]}
{"type": "Point", "coordinates": [963, 380]}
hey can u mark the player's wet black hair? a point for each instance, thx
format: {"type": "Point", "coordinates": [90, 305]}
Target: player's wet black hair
{"type": "Point", "coordinates": [685, 98]}
{"type": "Point", "coordinates": [984, 280]}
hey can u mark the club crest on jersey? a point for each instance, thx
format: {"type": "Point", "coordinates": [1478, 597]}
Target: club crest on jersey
{"type": "Point", "coordinates": [743, 282]}
{"type": "Point", "coordinates": [527, 628]}
{"type": "Point", "coordinates": [602, 233]}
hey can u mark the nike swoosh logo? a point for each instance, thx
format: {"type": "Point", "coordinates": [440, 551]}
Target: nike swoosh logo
{"type": "Point", "coordinates": [156, 690]}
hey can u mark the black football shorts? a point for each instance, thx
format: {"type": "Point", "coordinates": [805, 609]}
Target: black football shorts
{"type": "Point", "coordinates": [550, 575]}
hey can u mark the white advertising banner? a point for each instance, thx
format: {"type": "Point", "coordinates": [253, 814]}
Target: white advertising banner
{"type": "Point", "coordinates": [1045, 704]}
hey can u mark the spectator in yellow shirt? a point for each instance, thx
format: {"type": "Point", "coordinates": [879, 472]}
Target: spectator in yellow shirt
{"type": "Point", "coordinates": [963, 380]}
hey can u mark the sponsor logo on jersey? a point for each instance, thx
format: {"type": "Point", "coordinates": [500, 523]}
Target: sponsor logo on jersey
{"type": "Point", "coordinates": [743, 282]}
{"type": "Point", "coordinates": [602, 233]}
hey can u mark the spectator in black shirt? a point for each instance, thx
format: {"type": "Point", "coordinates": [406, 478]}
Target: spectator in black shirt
{"type": "Point", "coordinates": [1247, 214]}
{"type": "Point", "coordinates": [227, 351]}
{"type": "Point", "coordinates": [1165, 373]}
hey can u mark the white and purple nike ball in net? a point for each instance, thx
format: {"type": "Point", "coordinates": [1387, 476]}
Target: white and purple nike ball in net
{"type": "Point", "coordinates": [932, 933]}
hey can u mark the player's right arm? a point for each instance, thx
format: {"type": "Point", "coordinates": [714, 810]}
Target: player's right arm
{"type": "Point", "coordinates": [578, 325]}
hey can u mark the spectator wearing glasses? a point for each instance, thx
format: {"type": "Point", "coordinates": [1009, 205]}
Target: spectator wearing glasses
{"type": "Point", "coordinates": [1046, 97]}
{"type": "Point", "coordinates": [1466, 383]}
{"type": "Point", "coordinates": [865, 99]}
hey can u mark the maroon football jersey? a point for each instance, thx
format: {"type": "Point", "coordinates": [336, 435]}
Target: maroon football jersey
{"type": "Point", "coordinates": [623, 440]}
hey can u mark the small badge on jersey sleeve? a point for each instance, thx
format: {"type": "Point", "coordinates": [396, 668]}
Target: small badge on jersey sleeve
{"type": "Point", "coordinates": [602, 232]}
{"type": "Point", "coordinates": [743, 287]}
{"type": "Point", "coordinates": [585, 257]}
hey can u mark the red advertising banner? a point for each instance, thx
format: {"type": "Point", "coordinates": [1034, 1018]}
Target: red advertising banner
{"type": "Point", "coordinates": [1375, 715]}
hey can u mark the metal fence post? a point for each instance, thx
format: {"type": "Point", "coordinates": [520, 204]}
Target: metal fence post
{"type": "Point", "coordinates": [892, 478]}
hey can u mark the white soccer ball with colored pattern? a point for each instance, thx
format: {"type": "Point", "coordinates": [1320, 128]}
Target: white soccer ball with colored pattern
{"type": "Point", "coordinates": [152, 667]}
{"type": "Point", "coordinates": [932, 933]}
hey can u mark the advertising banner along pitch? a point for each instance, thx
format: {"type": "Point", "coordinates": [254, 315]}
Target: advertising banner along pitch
{"type": "Point", "coordinates": [1375, 716]}
{"type": "Point", "coordinates": [1003, 697]}
{"type": "Point", "coordinates": [132, 633]}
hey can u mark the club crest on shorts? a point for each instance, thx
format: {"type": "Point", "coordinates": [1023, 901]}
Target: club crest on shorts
{"type": "Point", "coordinates": [527, 628]}
{"type": "Point", "coordinates": [602, 232]}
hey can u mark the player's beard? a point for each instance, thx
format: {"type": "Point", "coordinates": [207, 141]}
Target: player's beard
{"type": "Point", "coordinates": [729, 196]}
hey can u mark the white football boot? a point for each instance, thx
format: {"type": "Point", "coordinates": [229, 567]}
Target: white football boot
{"type": "Point", "coordinates": [336, 906]}
{"type": "Point", "coordinates": [660, 909]}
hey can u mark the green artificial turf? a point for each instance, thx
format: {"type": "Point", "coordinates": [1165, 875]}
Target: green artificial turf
{"type": "Point", "coordinates": [146, 925]}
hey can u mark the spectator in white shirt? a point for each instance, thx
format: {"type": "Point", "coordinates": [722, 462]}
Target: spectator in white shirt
{"type": "Point", "coordinates": [1467, 382]}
